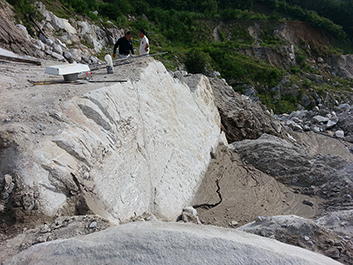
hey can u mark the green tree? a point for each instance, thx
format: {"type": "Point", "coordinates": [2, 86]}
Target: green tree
{"type": "Point", "coordinates": [197, 61]}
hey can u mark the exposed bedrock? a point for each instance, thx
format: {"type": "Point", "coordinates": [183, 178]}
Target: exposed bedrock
{"type": "Point", "coordinates": [143, 145]}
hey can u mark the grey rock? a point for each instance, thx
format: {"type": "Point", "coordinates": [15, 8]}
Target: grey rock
{"type": "Point", "coordinates": [330, 124]}
{"type": "Point", "coordinates": [339, 134]}
{"type": "Point", "coordinates": [68, 57]}
{"type": "Point", "coordinates": [305, 101]}
{"type": "Point", "coordinates": [42, 38]}
{"type": "Point", "coordinates": [316, 97]}
{"type": "Point", "coordinates": [180, 74]}
{"type": "Point", "coordinates": [40, 45]}
{"type": "Point", "coordinates": [302, 114]}
{"type": "Point", "coordinates": [93, 224]}
{"type": "Point", "coordinates": [341, 65]}
{"type": "Point", "coordinates": [297, 120]}
{"type": "Point", "coordinates": [288, 161]}
{"type": "Point", "coordinates": [306, 127]}
{"type": "Point", "coordinates": [213, 74]}
{"type": "Point", "coordinates": [93, 60]}
{"type": "Point", "coordinates": [320, 119]}
{"type": "Point", "coordinates": [57, 56]}
{"type": "Point", "coordinates": [320, 60]}
{"type": "Point", "coordinates": [313, 77]}
{"type": "Point", "coordinates": [57, 48]}
{"type": "Point", "coordinates": [49, 26]}
{"type": "Point", "coordinates": [307, 233]}
{"type": "Point", "coordinates": [261, 218]}
{"type": "Point", "coordinates": [49, 42]}
{"type": "Point", "coordinates": [333, 253]}
{"type": "Point", "coordinates": [242, 118]}
{"type": "Point", "coordinates": [40, 54]}
{"type": "Point", "coordinates": [189, 214]}
{"type": "Point", "coordinates": [251, 93]}
{"type": "Point", "coordinates": [316, 129]}
{"type": "Point", "coordinates": [293, 125]}
{"type": "Point", "coordinates": [343, 107]}
{"type": "Point", "coordinates": [234, 223]}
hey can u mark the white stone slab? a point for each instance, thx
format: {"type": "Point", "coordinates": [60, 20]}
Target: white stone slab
{"type": "Point", "coordinates": [66, 69]}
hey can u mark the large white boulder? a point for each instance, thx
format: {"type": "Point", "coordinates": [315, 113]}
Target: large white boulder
{"type": "Point", "coordinates": [143, 145]}
{"type": "Point", "coordinates": [168, 243]}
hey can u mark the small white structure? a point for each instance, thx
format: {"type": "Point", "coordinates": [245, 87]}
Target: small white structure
{"type": "Point", "coordinates": [69, 71]}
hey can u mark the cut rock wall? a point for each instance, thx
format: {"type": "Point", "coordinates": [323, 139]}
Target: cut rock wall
{"type": "Point", "coordinates": [131, 147]}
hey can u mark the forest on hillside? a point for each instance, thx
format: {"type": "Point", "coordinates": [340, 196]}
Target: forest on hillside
{"type": "Point", "coordinates": [333, 16]}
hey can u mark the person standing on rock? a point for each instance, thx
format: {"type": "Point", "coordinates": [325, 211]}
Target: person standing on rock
{"type": "Point", "coordinates": [144, 43]}
{"type": "Point", "coordinates": [125, 46]}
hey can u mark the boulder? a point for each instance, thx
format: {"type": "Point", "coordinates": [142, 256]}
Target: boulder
{"type": "Point", "coordinates": [342, 65]}
{"type": "Point", "coordinates": [331, 123]}
{"type": "Point", "coordinates": [133, 146]}
{"type": "Point", "coordinates": [306, 101]}
{"type": "Point", "coordinates": [320, 119]}
{"type": "Point", "coordinates": [241, 117]}
{"type": "Point", "coordinates": [288, 161]}
{"type": "Point", "coordinates": [57, 48]}
{"type": "Point", "coordinates": [251, 93]}
{"type": "Point", "coordinates": [339, 134]}
{"type": "Point", "coordinates": [168, 243]}
{"type": "Point", "coordinates": [303, 232]}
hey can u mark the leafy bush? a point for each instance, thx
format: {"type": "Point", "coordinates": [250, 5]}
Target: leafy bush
{"type": "Point", "coordinates": [243, 68]}
{"type": "Point", "coordinates": [197, 61]}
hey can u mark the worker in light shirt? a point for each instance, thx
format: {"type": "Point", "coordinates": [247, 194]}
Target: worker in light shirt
{"type": "Point", "coordinates": [144, 44]}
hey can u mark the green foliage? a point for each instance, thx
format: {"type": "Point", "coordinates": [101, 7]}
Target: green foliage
{"type": "Point", "coordinates": [286, 105]}
{"type": "Point", "coordinates": [178, 27]}
{"type": "Point", "coordinates": [236, 4]}
{"type": "Point", "coordinates": [325, 50]}
{"type": "Point", "coordinates": [307, 83]}
{"type": "Point", "coordinates": [340, 12]}
{"type": "Point", "coordinates": [241, 36]}
{"type": "Point", "coordinates": [242, 68]}
{"type": "Point", "coordinates": [268, 39]}
{"type": "Point", "coordinates": [197, 61]}
{"type": "Point", "coordinates": [79, 6]}
{"type": "Point", "coordinates": [300, 57]}
{"type": "Point", "coordinates": [310, 16]}
{"type": "Point", "coordinates": [232, 14]}
{"type": "Point", "coordinates": [23, 7]}
{"type": "Point", "coordinates": [109, 11]}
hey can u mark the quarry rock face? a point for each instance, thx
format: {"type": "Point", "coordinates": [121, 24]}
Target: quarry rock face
{"type": "Point", "coordinates": [142, 144]}
{"type": "Point", "coordinates": [168, 243]}
{"type": "Point", "coordinates": [125, 148]}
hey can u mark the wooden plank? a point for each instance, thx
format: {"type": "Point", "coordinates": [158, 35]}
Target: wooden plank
{"type": "Point", "coordinates": [21, 60]}
{"type": "Point", "coordinates": [52, 82]}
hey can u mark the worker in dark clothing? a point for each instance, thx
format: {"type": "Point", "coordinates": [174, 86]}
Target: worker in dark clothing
{"type": "Point", "coordinates": [125, 46]}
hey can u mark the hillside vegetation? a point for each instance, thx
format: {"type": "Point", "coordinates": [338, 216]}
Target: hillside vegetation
{"type": "Point", "coordinates": [210, 35]}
